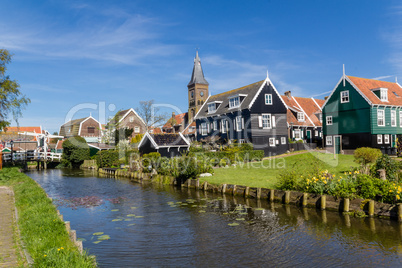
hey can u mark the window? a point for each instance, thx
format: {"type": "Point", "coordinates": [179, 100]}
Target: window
{"type": "Point", "coordinates": [379, 139]}
{"type": "Point", "coordinates": [386, 139]}
{"type": "Point", "coordinates": [242, 141]}
{"type": "Point", "coordinates": [297, 134]}
{"type": "Point", "coordinates": [131, 119]}
{"type": "Point", "coordinates": [211, 108]}
{"type": "Point", "coordinates": [223, 125]}
{"type": "Point", "coordinates": [204, 129]}
{"type": "Point", "coordinates": [384, 94]}
{"type": "Point", "coordinates": [136, 129]}
{"type": "Point", "coordinates": [272, 142]}
{"type": "Point", "coordinates": [320, 117]}
{"type": "Point", "coordinates": [268, 99]}
{"type": "Point", "coordinates": [329, 140]}
{"type": "Point", "coordinates": [329, 120]}
{"type": "Point", "coordinates": [91, 130]}
{"type": "Point", "coordinates": [316, 133]}
{"type": "Point", "coordinates": [234, 102]}
{"type": "Point", "coordinates": [380, 118]}
{"type": "Point", "coordinates": [266, 121]}
{"type": "Point", "coordinates": [393, 118]}
{"type": "Point", "coordinates": [345, 96]}
{"type": "Point", "coordinates": [283, 140]}
{"type": "Point", "coordinates": [215, 125]}
{"type": "Point", "coordinates": [238, 123]}
{"type": "Point", "coordinates": [400, 118]}
{"type": "Point", "coordinates": [300, 117]}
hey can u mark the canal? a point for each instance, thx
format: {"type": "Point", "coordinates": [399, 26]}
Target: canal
{"type": "Point", "coordinates": [127, 224]}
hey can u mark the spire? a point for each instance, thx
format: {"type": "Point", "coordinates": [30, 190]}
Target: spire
{"type": "Point", "coordinates": [344, 76]}
{"type": "Point", "coordinates": [198, 75]}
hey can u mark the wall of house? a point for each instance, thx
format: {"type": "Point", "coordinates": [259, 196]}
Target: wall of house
{"type": "Point", "coordinates": [350, 117]}
{"type": "Point", "coordinates": [136, 123]}
{"type": "Point", "coordinates": [90, 122]}
{"type": "Point", "coordinates": [387, 129]}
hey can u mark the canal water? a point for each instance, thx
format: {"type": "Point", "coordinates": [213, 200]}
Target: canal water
{"type": "Point", "coordinates": [127, 224]}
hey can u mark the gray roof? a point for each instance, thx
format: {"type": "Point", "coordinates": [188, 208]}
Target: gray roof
{"type": "Point", "coordinates": [197, 76]}
{"type": "Point", "coordinates": [250, 91]}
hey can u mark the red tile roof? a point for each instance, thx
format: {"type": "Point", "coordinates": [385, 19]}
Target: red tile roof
{"type": "Point", "coordinates": [308, 105]}
{"type": "Point", "coordinates": [190, 129]}
{"type": "Point", "coordinates": [179, 119]}
{"type": "Point", "coordinates": [23, 129]}
{"type": "Point", "coordinates": [367, 85]}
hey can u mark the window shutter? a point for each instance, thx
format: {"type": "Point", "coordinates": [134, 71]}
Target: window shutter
{"type": "Point", "coordinates": [259, 121]}
{"type": "Point", "coordinates": [207, 128]}
{"type": "Point", "coordinates": [273, 121]}
{"type": "Point", "coordinates": [227, 125]}
{"type": "Point", "coordinates": [234, 123]}
{"type": "Point", "coordinates": [199, 129]}
{"type": "Point", "coordinates": [220, 126]}
{"type": "Point", "coordinates": [242, 123]}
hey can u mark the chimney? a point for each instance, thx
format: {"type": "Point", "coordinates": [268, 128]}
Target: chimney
{"type": "Point", "coordinates": [288, 94]}
{"type": "Point", "coordinates": [173, 114]}
{"type": "Point", "coordinates": [326, 97]}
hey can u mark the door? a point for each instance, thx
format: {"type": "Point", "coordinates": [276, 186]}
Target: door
{"type": "Point", "coordinates": [337, 144]}
{"type": "Point", "coordinates": [308, 133]}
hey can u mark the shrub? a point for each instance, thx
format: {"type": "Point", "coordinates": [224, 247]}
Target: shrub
{"type": "Point", "coordinates": [107, 158]}
{"type": "Point", "coordinates": [289, 180]}
{"type": "Point", "coordinates": [391, 167]}
{"type": "Point", "coordinates": [366, 155]}
{"type": "Point", "coordinates": [75, 151]}
{"type": "Point", "coordinates": [150, 161]}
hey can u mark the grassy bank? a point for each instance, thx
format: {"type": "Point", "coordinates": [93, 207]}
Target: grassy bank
{"type": "Point", "coordinates": [265, 173]}
{"type": "Point", "coordinates": [43, 233]}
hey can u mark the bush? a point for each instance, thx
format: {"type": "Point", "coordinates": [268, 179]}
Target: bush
{"type": "Point", "coordinates": [366, 155]}
{"type": "Point", "coordinates": [107, 158]}
{"type": "Point", "coordinates": [75, 151]}
{"type": "Point", "coordinates": [391, 167]}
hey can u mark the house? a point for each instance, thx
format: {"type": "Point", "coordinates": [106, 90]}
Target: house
{"type": "Point", "coordinates": [89, 128]}
{"type": "Point", "coordinates": [255, 113]}
{"type": "Point", "coordinates": [304, 118]}
{"type": "Point", "coordinates": [12, 133]}
{"type": "Point", "coordinates": [176, 123]}
{"type": "Point", "coordinates": [168, 145]}
{"type": "Point", "coordinates": [131, 120]}
{"type": "Point", "coordinates": [363, 112]}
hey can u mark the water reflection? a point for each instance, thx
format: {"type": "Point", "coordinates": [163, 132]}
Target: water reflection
{"type": "Point", "coordinates": [156, 225]}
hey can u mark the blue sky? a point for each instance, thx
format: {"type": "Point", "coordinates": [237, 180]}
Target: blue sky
{"type": "Point", "coordinates": [73, 58]}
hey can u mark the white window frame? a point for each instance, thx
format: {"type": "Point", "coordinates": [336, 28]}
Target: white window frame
{"type": "Point", "coordinates": [283, 140]}
{"type": "Point", "coordinates": [204, 130]}
{"type": "Point", "coordinates": [345, 96]}
{"type": "Point", "coordinates": [381, 118]}
{"type": "Point", "coordinates": [272, 142]}
{"type": "Point", "coordinates": [131, 119]}
{"type": "Point", "coordinates": [384, 94]}
{"type": "Point", "coordinates": [238, 123]}
{"type": "Point", "coordinates": [297, 135]}
{"type": "Point", "coordinates": [379, 139]}
{"type": "Point", "coordinates": [328, 141]}
{"type": "Point", "coordinates": [386, 138]}
{"type": "Point", "coordinates": [329, 120]}
{"type": "Point", "coordinates": [266, 121]}
{"type": "Point", "coordinates": [315, 133]}
{"type": "Point", "coordinates": [211, 108]}
{"type": "Point", "coordinates": [300, 116]}
{"type": "Point", "coordinates": [234, 102]}
{"type": "Point", "coordinates": [223, 125]}
{"type": "Point", "coordinates": [268, 99]}
{"type": "Point", "coordinates": [137, 129]}
{"type": "Point", "coordinates": [393, 118]}
{"type": "Point", "coordinates": [400, 118]}
{"type": "Point", "coordinates": [215, 124]}
{"type": "Point", "coordinates": [320, 117]}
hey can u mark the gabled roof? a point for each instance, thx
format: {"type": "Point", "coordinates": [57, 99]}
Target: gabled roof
{"type": "Point", "coordinates": [123, 114]}
{"type": "Point", "coordinates": [249, 90]}
{"type": "Point", "coordinates": [309, 106]}
{"type": "Point", "coordinates": [197, 77]}
{"type": "Point", "coordinates": [75, 126]}
{"type": "Point", "coordinates": [179, 120]}
{"type": "Point", "coordinates": [165, 140]}
{"type": "Point", "coordinates": [190, 129]}
{"type": "Point", "coordinates": [24, 129]}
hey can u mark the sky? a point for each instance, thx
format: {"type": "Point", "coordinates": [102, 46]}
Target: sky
{"type": "Point", "coordinates": [79, 58]}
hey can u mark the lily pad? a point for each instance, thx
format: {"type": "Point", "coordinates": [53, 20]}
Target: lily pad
{"type": "Point", "coordinates": [194, 206]}
{"type": "Point", "coordinates": [117, 219]}
{"type": "Point", "coordinates": [139, 217]}
{"type": "Point", "coordinates": [233, 224]}
{"type": "Point", "coordinates": [225, 213]}
{"type": "Point", "coordinates": [133, 207]}
{"type": "Point", "coordinates": [98, 233]}
{"type": "Point", "coordinates": [201, 211]}
{"type": "Point", "coordinates": [81, 239]}
{"type": "Point", "coordinates": [104, 237]}
{"type": "Point", "coordinates": [97, 242]}
{"type": "Point", "coordinates": [114, 210]}
{"type": "Point", "coordinates": [131, 224]}
{"type": "Point", "coordinates": [131, 215]}
{"type": "Point", "coordinates": [259, 209]}
{"type": "Point", "coordinates": [243, 213]}
{"type": "Point", "coordinates": [240, 219]}
{"type": "Point", "coordinates": [128, 219]}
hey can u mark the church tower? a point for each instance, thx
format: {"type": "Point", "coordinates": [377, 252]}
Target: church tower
{"type": "Point", "coordinates": [197, 89]}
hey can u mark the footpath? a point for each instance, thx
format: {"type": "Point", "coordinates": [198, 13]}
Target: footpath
{"type": "Point", "coordinates": [8, 245]}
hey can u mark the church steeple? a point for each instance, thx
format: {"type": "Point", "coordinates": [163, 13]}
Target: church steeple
{"type": "Point", "coordinates": [197, 89]}
{"type": "Point", "coordinates": [198, 75]}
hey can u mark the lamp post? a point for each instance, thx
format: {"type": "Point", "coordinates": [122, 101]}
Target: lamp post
{"type": "Point", "coordinates": [12, 149]}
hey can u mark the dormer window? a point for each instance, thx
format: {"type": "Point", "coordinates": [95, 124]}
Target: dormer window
{"type": "Point", "coordinates": [236, 100]}
{"type": "Point", "coordinates": [211, 108]}
{"type": "Point", "coordinates": [381, 93]}
{"type": "Point", "coordinates": [300, 117]}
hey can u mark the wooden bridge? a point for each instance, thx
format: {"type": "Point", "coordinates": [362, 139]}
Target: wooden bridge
{"type": "Point", "coordinates": [41, 158]}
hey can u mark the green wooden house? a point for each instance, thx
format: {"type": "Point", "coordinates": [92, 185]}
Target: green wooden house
{"type": "Point", "coordinates": [363, 112]}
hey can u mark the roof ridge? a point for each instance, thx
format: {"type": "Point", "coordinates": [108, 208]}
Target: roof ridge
{"type": "Point", "coordinates": [233, 90]}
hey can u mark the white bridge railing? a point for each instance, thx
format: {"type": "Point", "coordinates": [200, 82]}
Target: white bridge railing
{"type": "Point", "coordinates": [32, 156]}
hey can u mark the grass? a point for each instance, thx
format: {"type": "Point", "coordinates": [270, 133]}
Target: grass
{"type": "Point", "coordinates": [264, 174]}
{"type": "Point", "coordinates": [43, 233]}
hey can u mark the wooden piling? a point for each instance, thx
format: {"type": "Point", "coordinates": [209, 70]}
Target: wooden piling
{"type": "Point", "coordinates": [287, 197]}
{"type": "Point", "coordinates": [258, 193]}
{"type": "Point", "coordinates": [247, 191]}
{"type": "Point", "coordinates": [271, 195]}
{"type": "Point", "coordinates": [400, 212]}
{"type": "Point", "coordinates": [323, 202]}
{"type": "Point", "coordinates": [346, 204]}
{"type": "Point", "coordinates": [224, 188]}
{"type": "Point", "coordinates": [371, 208]}
{"type": "Point", "coordinates": [305, 199]}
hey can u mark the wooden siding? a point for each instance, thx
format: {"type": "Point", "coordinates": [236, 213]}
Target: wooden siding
{"type": "Point", "coordinates": [276, 107]}
{"type": "Point", "coordinates": [90, 123]}
{"type": "Point", "coordinates": [387, 129]}
{"type": "Point", "coordinates": [350, 117]}
{"type": "Point", "coordinates": [125, 122]}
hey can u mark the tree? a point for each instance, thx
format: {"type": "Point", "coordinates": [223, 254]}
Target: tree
{"type": "Point", "coordinates": [122, 134]}
{"type": "Point", "coordinates": [11, 99]}
{"type": "Point", "coordinates": [150, 114]}
{"type": "Point", "coordinates": [75, 151]}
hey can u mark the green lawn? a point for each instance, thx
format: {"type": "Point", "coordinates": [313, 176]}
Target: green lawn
{"type": "Point", "coordinates": [265, 173]}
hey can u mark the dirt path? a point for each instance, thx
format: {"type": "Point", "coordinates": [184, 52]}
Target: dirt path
{"type": "Point", "coordinates": [8, 252]}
